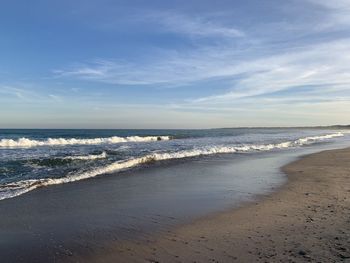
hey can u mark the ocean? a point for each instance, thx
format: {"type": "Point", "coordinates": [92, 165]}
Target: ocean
{"type": "Point", "coordinates": [30, 159]}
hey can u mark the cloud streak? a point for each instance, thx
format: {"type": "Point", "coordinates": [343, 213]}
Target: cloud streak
{"type": "Point", "coordinates": [275, 69]}
{"type": "Point", "coordinates": [197, 26]}
{"type": "Point", "coordinates": [321, 64]}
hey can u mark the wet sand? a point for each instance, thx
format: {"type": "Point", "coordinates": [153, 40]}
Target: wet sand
{"type": "Point", "coordinates": [307, 220]}
{"type": "Point", "coordinates": [57, 223]}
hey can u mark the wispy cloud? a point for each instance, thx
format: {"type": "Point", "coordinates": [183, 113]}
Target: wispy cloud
{"type": "Point", "coordinates": [335, 14]}
{"type": "Point", "coordinates": [197, 26]}
{"type": "Point", "coordinates": [15, 92]}
{"type": "Point", "coordinates": [26, 94]}
{"type": "Point", "coordinates": [55, 98]}
{"type": "Point", "coordinates": [264, 67]}
{"type": "Point", "coordinates": [165, 66]}
{"type": "Point", "coordinates": [323, 65]}
{"type": "Point", "coordinates": [319, 64]}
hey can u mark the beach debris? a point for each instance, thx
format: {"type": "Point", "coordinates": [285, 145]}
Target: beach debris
{"type": "Point", "coordinates": [309, 219]}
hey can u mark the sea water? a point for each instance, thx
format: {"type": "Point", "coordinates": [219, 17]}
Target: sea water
{"type": "Point", "coordinates": [39, 158]}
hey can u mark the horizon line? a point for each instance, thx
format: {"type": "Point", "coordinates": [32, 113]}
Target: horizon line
{"type": "Point", "coordinates": [216, 128]}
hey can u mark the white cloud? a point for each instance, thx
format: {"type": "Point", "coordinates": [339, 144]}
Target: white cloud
{"type": "Point", "coordinates": [334, 4]}
{"type": "Point", "coordinates": [335, 15]}
{"type": "Point", "coordinates": [15, 92]}
{"type": "Point", "coordinates": [318, 64]}
{"type": "Point", "coordinates": [197, 26]}
{"type": "Point", "coordinates": [326, 65]}
{"type": "Point", "coordinates": [55, 98]}
{"type": "Point", "coordinates": [252, 71]}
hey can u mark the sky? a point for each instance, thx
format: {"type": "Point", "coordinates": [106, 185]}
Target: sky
{"type": "Point", "coordinates": [174, 64]}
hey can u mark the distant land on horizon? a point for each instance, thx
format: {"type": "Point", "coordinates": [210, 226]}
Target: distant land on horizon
{"type": "Point", "coordinates": [337, 126]}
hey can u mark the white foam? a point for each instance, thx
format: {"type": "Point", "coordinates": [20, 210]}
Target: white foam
{"type": "Point", "coordinates": [26, 143]}
{"type": "Point", "coordinates": [103, 155]}
{"type": "Point", "coordinates": [21, 187]}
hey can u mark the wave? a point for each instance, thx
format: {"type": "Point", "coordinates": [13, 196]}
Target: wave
{"type": "Point", "coordinates": [26, 143]}
{"type": "Point", "coordinates": [21, 187]}
{"type": "Point", "coordinates": [103, 155]}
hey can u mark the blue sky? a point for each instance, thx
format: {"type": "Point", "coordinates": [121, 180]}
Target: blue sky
{"type": "Point", "coordinates": [174, 64]}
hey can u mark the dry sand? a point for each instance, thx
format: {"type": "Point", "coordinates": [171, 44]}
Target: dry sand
{"type": "Point", "coordinates": [307, 220]}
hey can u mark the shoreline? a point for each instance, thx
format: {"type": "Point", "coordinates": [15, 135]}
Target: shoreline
{"type": "Point", "coordinates": [306, 219]}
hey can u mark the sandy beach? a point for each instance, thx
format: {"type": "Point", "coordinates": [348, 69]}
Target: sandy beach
{"type": "Point", "coordinates": [174, 131]}
{"type": "Point", "coordinates": [307, 220]}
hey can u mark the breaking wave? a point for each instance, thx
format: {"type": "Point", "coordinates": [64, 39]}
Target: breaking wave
{"type": "Point", "coordinates": [26, 143]}
{"type": "Point", "coordinates": [14, 189]}
{"type": "Point", "coordinates": [103, 155]}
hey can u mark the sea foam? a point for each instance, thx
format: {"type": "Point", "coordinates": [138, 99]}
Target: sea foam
{"type": "Point", "coordinates": [103, 155]}
{"type": "Point", "coordinates": [26, 143]}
